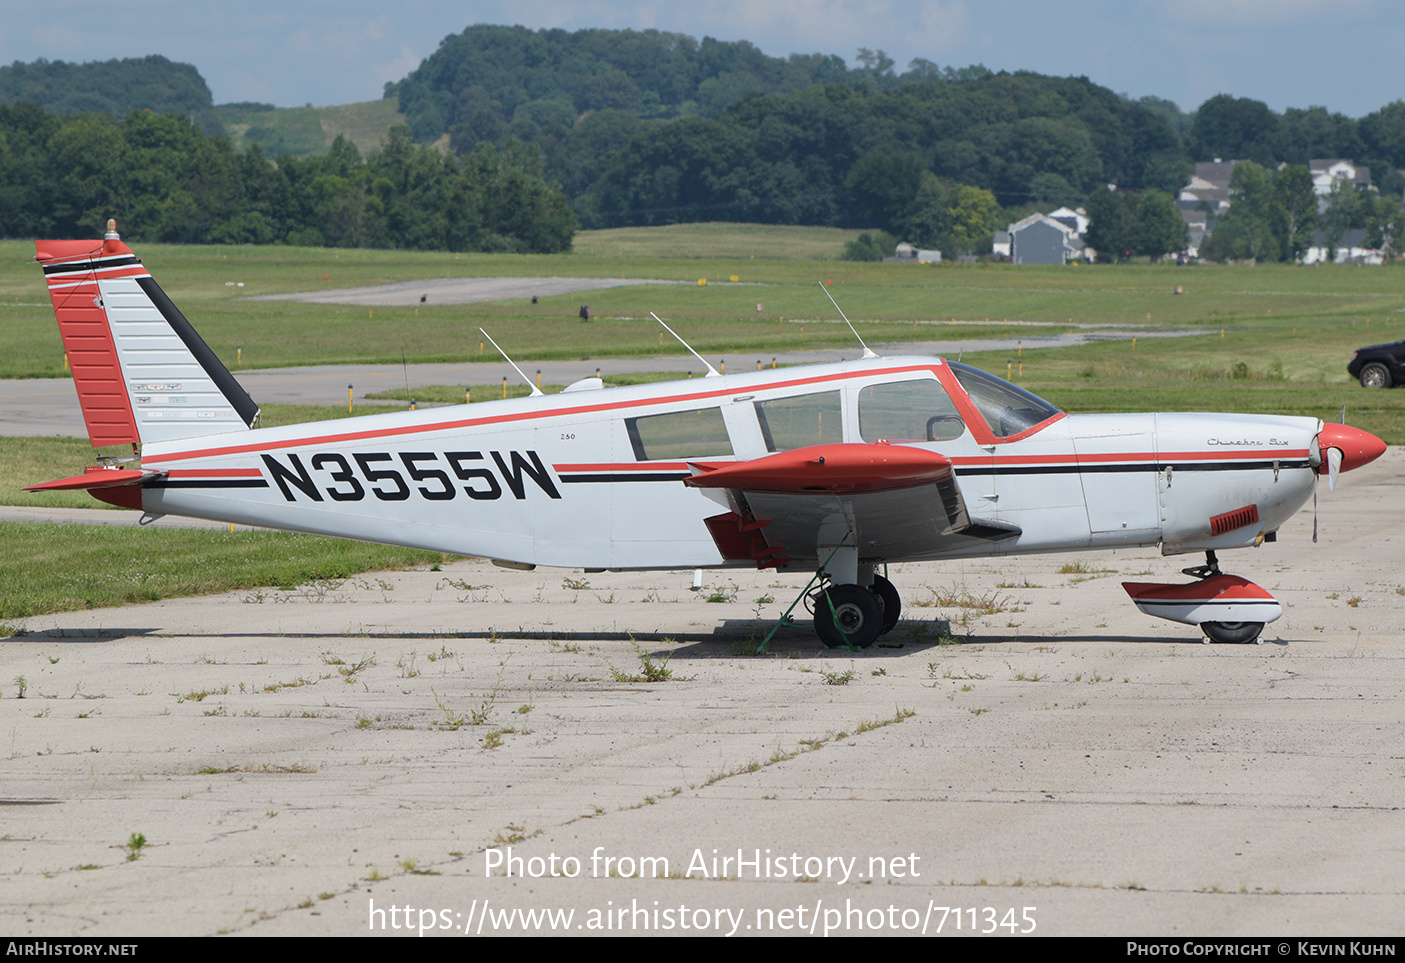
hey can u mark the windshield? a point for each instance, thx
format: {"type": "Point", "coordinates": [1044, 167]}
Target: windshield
{"type": "Point", "coordinates": [1007, 409]}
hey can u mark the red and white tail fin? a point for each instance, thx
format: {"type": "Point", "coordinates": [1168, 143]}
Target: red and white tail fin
{"type": "Point", "coordinates": [142, 372]}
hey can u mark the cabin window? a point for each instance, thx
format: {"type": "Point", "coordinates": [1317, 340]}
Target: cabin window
{"type": "Point", "coordinates": [683, 435]}
{"type": "Point", "coordinates": [1006, 408]}
{"type": "Point", "coordinates": [908, 411]}
{"type": "Point", "coordinates": [801, 420]}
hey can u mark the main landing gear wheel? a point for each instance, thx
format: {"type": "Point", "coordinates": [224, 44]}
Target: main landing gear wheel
{"type": "Point", "coordinates": [858, 612]}
{"type": "Point", "coordinates": [1375, 376]}
{"type": "Point", "coordinates": [892, 604]}
{"type": "Point", "coordinates": [1241, 633]}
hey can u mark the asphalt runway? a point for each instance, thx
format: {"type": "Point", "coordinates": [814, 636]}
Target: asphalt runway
{"type": "Point", "coordinates": [475, 744]}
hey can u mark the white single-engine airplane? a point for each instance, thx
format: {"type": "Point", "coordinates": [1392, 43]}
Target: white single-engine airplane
{"type": "Point", "coordinates": [837, 468]}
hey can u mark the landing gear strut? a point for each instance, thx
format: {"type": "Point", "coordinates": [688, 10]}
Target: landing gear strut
{"type": "Point", "coordinates": [1223, 632]}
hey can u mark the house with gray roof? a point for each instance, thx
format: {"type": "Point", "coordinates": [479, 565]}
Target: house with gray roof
{"type": "Point", "coordinates": [1039, 239]}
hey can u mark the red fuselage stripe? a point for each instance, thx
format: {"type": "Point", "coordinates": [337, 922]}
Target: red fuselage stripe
{"type": "Point", "coordinates": [522, 416]}
{"type": "Point", "coordinates": [215, 473]}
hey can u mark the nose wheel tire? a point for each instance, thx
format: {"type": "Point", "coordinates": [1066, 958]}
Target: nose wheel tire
{"type": "Point", "coordinates": [888, 597]}
{"type": "Point", "coordinates": [1241, 633]}
{"type": "Point", "coordinates": [857, 611]}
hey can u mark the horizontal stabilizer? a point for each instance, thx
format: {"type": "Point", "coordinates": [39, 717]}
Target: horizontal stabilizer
{"type": "Point", "coordinates": [97, 478]}
{"type": "Point", "coordinates": [116, 486]}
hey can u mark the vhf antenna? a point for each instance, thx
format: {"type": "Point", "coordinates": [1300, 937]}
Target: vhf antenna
{"type": "Point", "coordinates": [711, 371]}
{"type": "Point", "coordinates": [535, 390]}
{"type": "Point", "coordinates": [866, 352]}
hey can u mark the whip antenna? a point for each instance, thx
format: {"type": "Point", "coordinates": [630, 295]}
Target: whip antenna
{"type": "Point", "coordinates": [535, 390]}
{"type": "Point", "coordinates": [711, 371]}
{"type": "Point", "coordinates": [866, 352]}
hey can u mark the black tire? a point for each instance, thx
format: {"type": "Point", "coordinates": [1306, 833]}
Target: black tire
{"type": "Point", "coordinates": [858, 612]}
{"type": "Point", "coordinates": [1375, 376]}
{"type": "Point", "coordinates": [1232, 632]}
{"type": "Point", "coordinates": [888, 598]}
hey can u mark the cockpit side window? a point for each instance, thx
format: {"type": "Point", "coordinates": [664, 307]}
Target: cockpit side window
{"type": "Point", "coordinates": [801, 420]}
{"type": "Point", "coordinates": [908, 411]}
{"type": "Point", "coordinates": [679, 435]}
{"type": "Point", "coordinates": [1007, 409]}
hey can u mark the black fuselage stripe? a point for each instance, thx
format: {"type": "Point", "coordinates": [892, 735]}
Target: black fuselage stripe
{"type": "Point", "coordinates": [1167, 603]}
{"type": "Point", "coordinates": [1128, 469]}
{"type": "Point", "coordinates": [637, 476]}
{"type": "Point", "coordinates": [612, 477]}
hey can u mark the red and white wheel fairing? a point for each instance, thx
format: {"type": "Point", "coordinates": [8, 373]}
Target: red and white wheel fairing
{"type": "Point", "coordinates": [1219, 598]}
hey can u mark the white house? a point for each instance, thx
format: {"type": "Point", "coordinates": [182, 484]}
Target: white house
{"type": "Point", "coordinates": [1351, 249]}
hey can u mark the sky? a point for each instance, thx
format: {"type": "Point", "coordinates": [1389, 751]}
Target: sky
{"type": "Point", "coordinates": [1341, 54]}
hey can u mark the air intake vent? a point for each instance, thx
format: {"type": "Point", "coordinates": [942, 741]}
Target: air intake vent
{"type": "Point", "coordinates": [1229, 521]}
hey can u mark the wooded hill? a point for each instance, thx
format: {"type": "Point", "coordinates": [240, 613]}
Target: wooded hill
{"type": "Point", "coordinates": [111, 87]}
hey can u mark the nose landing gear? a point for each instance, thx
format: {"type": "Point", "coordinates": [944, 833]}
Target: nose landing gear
{"type": "Point", "coordinates": [1227, 608]}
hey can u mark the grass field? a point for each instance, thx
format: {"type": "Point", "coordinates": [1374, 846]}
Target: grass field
{"type": "Point", "coordinates": [1309, 318]}
{"type": "Point", "coordinates": [719, 240]}
{"type": "Point", "coordinates": [60, 568]}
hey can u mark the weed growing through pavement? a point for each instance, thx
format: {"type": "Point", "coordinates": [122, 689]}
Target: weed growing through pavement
{"type": "Point", "coordinates": [653, 671]}
{"type": "Point", "coordinates": [722, 593]}
{"type": "Point", "coordinates": [135, 844]}
{"type": "Point", "coordinates": [474, 717]}
{"type": "Point", "coordinates": [348, 672]}
{"type": "Point", "coordinates": [1084, 569]}
{"type": "Point", "coordinates": [988, 603]}
{"type": "Point", "coordinates": [514, 833]}
{"type": "Point", "coordinates": [805, 745]}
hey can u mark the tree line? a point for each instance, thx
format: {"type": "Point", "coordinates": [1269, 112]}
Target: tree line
{"type": "Point", "coordinates": [644, 127]}
{"type": "Point", "coordinates": [165, 179]}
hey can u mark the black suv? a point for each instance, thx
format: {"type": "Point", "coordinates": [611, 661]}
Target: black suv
{"type": "Point", "coordinates": [1379, 366]}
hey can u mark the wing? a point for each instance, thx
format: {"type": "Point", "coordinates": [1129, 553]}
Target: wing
{"type": "Point", "coordinates": [898, 502]}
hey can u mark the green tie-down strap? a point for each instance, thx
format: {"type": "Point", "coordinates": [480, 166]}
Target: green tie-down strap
{"type": "Point", "coordinates": [784, 619]}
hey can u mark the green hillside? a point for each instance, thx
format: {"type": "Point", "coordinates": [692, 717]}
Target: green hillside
{"type": "Point", "coordinates": [300, 131]}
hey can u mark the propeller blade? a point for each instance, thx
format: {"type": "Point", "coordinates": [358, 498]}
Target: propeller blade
{"type": "Point", "coordinates": [1334, 467]}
